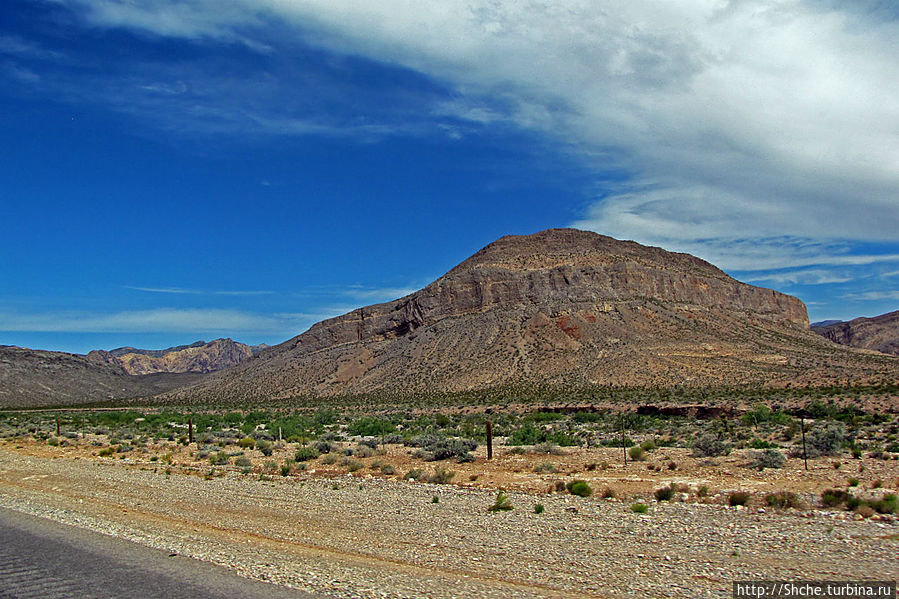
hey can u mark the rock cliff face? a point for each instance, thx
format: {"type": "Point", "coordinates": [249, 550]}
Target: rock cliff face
{"type": "Point", "coordinates": [557, 307]}
{"type": "Point", "coordinates": [197, 357]}
{"type": "Point", "coordinates": [880, 333]}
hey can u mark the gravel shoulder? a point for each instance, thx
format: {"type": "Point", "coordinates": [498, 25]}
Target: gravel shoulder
{"type": "Point", "coordinates": [358, 536]}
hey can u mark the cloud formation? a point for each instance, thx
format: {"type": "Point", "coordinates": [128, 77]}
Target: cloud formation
{"type": "Point", "coordinates": [162, 320]}
{"type": "Point", "coordinates": [725, 123]}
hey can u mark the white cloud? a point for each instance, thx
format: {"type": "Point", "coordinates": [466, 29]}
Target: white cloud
{"type": "Point", "coordinates": [873, 296]}
{"type": "Point", "coordinates": [183, 291]}
{"type": "Point", "coordinates": [735, 122]}
{"type": "Point", "coordinates": [162, 320]}
{"type": "Point", "coordinates": [812, 276]}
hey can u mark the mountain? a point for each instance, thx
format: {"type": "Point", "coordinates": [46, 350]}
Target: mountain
{"type": "Point", "coordinates": [562, 307]}
{"type": "Point", "coordinates": [880, 333]}
{"type": "Point", "coordinates": [196, 357]}
{"type": "Point", "coordinates": [824, 323]}
{"type": "Point", "coordinates": [33, 378]}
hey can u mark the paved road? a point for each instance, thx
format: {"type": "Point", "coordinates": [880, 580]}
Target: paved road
{"type": "Point", "coordinates": [41, 558]}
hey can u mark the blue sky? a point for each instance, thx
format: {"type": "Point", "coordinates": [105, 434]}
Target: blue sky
{"type": "Point", "coordinates": [171, 171]}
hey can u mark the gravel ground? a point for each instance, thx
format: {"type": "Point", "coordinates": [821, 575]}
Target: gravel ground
{"type": "Point", "coordinates": [352, 536]}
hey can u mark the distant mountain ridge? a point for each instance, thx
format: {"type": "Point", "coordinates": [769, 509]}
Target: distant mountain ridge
{"type": "Point", "coordinates": [200, 357]}
{"type": "Point", "coordinates": [34, 378]}
{"type": "Point", "coordinates": [560, 307]}
{"type": "Point", "coordinates": [880, 333]}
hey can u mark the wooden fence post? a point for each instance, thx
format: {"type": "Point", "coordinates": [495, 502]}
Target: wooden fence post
{"type": "Point", "coordinates": [489, 440]}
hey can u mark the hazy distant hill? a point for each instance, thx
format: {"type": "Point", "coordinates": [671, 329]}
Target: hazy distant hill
{"type": "Point", "coordinates": [880, 333]}
{"type": "Point", "coordinates": [558, 307]}
{"type": "Point", "coordinates": [34, 378]}
{"type": "Point", "coordinates": [196, 357]}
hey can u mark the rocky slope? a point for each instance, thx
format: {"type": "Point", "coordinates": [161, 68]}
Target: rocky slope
{"type": "Point", "coordinates": [880, 333]}
{"type": "Point", "coordinates": [196, 357]}
{"type": "Point", "coordinates": [33, 378]}
{"type": "Point", "coordinates": [560, 307]}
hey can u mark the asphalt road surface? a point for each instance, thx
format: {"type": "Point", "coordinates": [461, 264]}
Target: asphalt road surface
{"type": "Point", "coordinates": [41, 558]}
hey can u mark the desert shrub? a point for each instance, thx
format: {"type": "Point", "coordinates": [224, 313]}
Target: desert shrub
{"type": "Point", "coordinates": [325, 446]}
{"type": "Point", "coordinates": [502, 503]}
{"type": "Point", "coordinates": [608, 493]}
{"type": "Point", "coordinates": [305, 453]}
{"type": "Point", "coordinates": [783, 500]}
{"type": "Point", "coordinates": [422, 440]}
{"type": "Point", "coordinates": [270, 465]}
{"type": "Point", "coordinates": [219, 458]}
{"type": "Point", "coordinates": [364, 451]}
{"type": "Point", "coordinates": [853, 482]}
{"type": "Point", "coordinates": [639, 508]}
{"type": "Point", "coordinates": [441, 475]}
{"type": "Point", "coordinates": [286, 468]}
{"type": "Point", "coordinates": [440, 448]}
{"type": "Point", "coordinates": [648, 445]}
{"type": "Point", "coordinates": [350, 464]}
{"type": "Point", "coordinates": [889, 504]}
{"type": "Point", "coordinates": [769, 458]}
{"type": "Point", "coordinates": [672, 465]}
{"type": "Point", "coordinates": [637, 453]}
{"type": "Point", "coordinates": [369, 426]}
{"type": "Point", "coordinates": [665, 493]}
{"type": "Point", "coordinates": [579, 488]}
{"type": "Point", "coordinates": [329, 459]}
{"type": "Point", "coordinates": [703, 491]}
{"type": "Point", "coordinates": [708, 446]}
{"type": "Point", "coordinates": [393, 439]}
{"type": "Point", "coordinates": [834, 497]}
{"type": "Point", "coordinates": [106, 451]}
{"type": "Point", "coordinates": [264, 446]}
{"type": "Point", "coordinates": [548, 447]}
{"type": "Point", "coordinates": [243, 462]}
{"type": "Point", "coordinates": [388, 469]}
{"type": "Point", "coordinates": [530, 434]}
{"type": "Point", "coordinates": [544, 467]}
{"type": "Point", "coordinates": [737, 498]}
{"type": "Point", "coordinates": [370, 443]}
{"type": "Point", "coordinates": [414, 474]}
{"type": "Point", "coordinates": [865, 511]}
{"type": "Point", "coordinates": [247, 443]}
{"type": "Point", "coordinates": [539, 509]}
{"type": "Point", "coordinates": [827, 441]}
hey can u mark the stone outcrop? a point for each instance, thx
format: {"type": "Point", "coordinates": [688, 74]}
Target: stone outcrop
{"type": "Point", "coordinates": [197, 357]}
{"type": "Point", "coordinates": [880, 333]}
{"type": "Point", "coordinates": [560, 307]}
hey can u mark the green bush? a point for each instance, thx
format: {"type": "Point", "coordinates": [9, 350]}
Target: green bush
{"type": "Point", "coordinates": [441, 476]}
{"type": "Point", "coordinates": [539, 509]}
{"type": "Point", "coordinates": [769, 458]}
{"type": "Point", "coordinates": [219, 458]}
{"type": "Point", "coordinates": [639, 508]}
{"type": "Point", "coordinates": [305, 453]}
{"type": "Point", "coordinates": [637, 453]}
{"type": "Point", "coordinates": [784, 499]}
{"type": "Point", "coordinates": [738, 498]}
{"type": "Point", "coordinates": [665, 493]}
{"type": "Point", "coordinates": [579, 488]}
{"type": "Point", "coordinates": [415, 474]}
{"type": "Point", "coordinates": [708, 446]}
{"type": "Point", "coordinates": [502, 503]}
{"type": "Point", "coordinates": [264, 446]}
{"type": "Point", "coordinates": [247, 443]}
{"type": "Point", "coordinates": [826, 442]}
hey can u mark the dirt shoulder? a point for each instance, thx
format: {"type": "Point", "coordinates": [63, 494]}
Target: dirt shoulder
{"type": "Point", "coordinates": [359, 535]}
